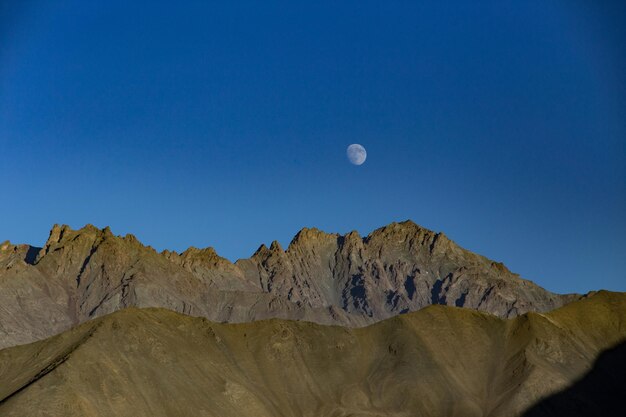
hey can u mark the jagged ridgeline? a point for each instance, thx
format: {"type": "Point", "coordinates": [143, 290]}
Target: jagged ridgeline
{"type": "Point", "coordinates": [321, 277]}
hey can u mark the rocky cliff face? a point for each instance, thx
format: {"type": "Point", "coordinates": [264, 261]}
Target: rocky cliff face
{"type": "Point", "coordinates": [396, 269]}
{"type": "Point", "coordinates": [320, 277]}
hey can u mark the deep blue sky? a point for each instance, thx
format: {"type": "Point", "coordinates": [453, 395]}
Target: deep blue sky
{"type": "Point", "coordinates": [502, 124]}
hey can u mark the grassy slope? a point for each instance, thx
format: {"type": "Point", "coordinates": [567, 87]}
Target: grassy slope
{"type": "Point", "coordinates": [437, 361]}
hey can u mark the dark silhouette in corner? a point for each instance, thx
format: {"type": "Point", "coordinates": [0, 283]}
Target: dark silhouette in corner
{"type": "Point", "coordinates": [601, 392]}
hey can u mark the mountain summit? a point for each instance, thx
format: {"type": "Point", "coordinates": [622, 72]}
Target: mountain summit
{"type": "Point", "coordinates": [321, 277]}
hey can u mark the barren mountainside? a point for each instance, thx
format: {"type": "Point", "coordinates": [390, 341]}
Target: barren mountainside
{"type": "Point", "coordinates": [440, 361]}
{"type": "Point", "coordinates": [324, 278]}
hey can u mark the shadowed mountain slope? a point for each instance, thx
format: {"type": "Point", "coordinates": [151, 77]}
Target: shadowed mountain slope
{"type": "Point", "coordinates": [438, 361]}
{"type": "Point", "coordinates": [599, 393]}
{"type": "Point", "coordinates": [324, 278]}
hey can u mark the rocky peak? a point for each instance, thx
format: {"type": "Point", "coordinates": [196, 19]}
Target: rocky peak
{"type": "Point", "coordinates": [6, 245]}
{"type": "Point", "coordinates": [11, 254]}
{"type": "Point", "coordinates": [64, 233]}
{"type": "Point", "coordinates": [276, 248]}
{"type": "Point", "coordinates": [353, 237]}
{"type": "Point", "coordinates": [403, 234]}
{"type": "Point", "coordinates": [261, 252]}
{"type": "Point", "coordinates": [61, 234]}
{"type": "Point", "coordinates": [351, 241]}
{"type": "Point", "coordinates": [405, 228]}
{"type": "Point", "coordinates": [194, 256]}
{"type": "Point", "coordinates": [73, 251]}
{"type": "Point", "coordinates": [310, 236]}
{"type": "Point", "coordinates": [204, 253]}
{"type": "Point", "coordinates": [56, 234]}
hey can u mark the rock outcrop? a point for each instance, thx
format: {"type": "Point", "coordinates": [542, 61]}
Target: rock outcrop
{"type": "Point", "coordinates": [324, 278]}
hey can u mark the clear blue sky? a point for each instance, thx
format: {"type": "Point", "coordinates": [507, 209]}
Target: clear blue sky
{"type": "Point", "coordinates": [502, 124]}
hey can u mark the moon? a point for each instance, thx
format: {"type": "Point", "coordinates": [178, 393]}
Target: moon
{"type": "Point", "coordinates": [356, 154]}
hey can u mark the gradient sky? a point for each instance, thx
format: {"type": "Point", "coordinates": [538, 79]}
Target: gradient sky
{"type": "Point", "coordinates": [501, 124]}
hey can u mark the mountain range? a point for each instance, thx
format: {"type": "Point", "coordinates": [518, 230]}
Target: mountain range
{"type": "Point", "coordinates": [324, 278]}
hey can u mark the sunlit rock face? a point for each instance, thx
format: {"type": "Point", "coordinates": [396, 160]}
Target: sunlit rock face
{"type": "Point", "coordinates": [321, 277]}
